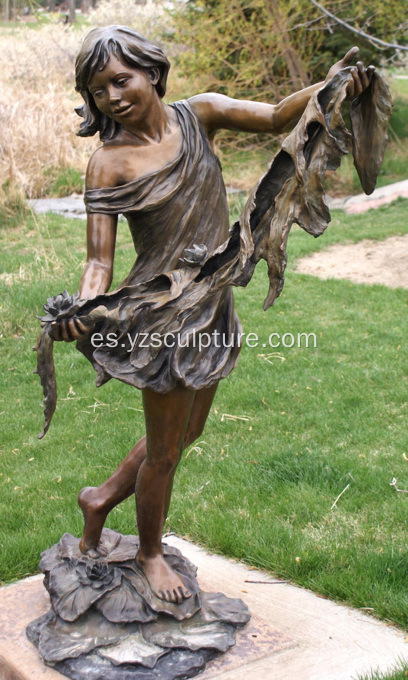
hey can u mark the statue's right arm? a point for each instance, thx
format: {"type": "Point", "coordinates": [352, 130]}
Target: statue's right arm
{"type": "Point", "coordinates": [98, 271]}
{"type": "Point", "coordinates": [101, 239]}
{"type": "Point", "coordinates": [101, 229]}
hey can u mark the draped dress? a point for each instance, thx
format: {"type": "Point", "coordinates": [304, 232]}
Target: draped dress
{"type": "Point", "coordinates": [188, 259]}
{"type": "Point", "coordinates": [174, 213]}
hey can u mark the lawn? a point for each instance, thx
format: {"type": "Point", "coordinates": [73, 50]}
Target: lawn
{"type": "Point", "coordinates": [400, 672]}
{"type": "Point", "coordinates": [293, 471]}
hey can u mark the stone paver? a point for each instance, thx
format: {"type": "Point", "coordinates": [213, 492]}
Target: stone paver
{"type": "Point", "coordinates": [70, 206]}
{"type": "Point", "coordinates": [293, 633]}
{"type": "Point", "coordinates": [362, 202]}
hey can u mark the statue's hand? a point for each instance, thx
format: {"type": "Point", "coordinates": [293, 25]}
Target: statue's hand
{"type": "Point", "coordinates": [69, 329]}
{"type": "Point", "coordinates": [361, 76]}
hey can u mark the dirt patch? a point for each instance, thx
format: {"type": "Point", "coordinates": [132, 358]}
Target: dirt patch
{"type": "Point", "coordinates": [384, 262]}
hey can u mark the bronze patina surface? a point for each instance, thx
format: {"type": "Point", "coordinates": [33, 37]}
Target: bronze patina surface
{"type": "Point", "coordinates": [158, 168]}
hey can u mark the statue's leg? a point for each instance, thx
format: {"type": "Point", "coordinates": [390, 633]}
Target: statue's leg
{"type": "Point", "coordinates": [167, 417]}
{"type": "Point", "coordinates": [97, 502]}
{"type": "Point", "coordinates": [199, 413]}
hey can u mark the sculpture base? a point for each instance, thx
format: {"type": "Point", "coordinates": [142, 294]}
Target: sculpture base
{"type": "Point", "coordinates": [106, 624]}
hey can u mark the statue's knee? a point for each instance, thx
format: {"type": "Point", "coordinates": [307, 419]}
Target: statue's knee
{"type": "Point", "coordinates": [167, 462]}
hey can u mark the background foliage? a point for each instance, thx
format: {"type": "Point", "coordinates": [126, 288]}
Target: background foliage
{"type": "Point", "coordinates": [264, 49]}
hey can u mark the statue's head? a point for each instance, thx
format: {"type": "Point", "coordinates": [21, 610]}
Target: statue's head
{"type": "Point", "coordinates": [127, 46]}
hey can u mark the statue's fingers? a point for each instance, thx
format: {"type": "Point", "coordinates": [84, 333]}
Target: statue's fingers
{"type": "Point", "coordinates": [350, 55]}
{"type": "Point", "coordinates": [351, 87]}
{"type": "Point", "coordinates": [362, 75]}
{"type": "Point", "coordinates": [354, 87]}
{"type": "Point", "coordinates": [72, 332]}
{"type": "Point", "coordinates": [370, 72]}
{"type": "Point", "coordinates": [55, 331]}
{"type": "Point", "coordinates": [358, 85]}
{"type": "Point", "coordinates": [66, 330]}
{"type": "Point", "coordinates": [81, 328]}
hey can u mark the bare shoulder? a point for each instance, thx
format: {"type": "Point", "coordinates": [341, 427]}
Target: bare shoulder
{"type": "Point", "coordinates": [209, 108]}
{"type": "Point", "coordinates": [102, 170]}
{"type": "Point", "coordinates": [208, 100]}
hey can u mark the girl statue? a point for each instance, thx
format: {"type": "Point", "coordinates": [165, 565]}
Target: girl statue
{"type": "Point", "coordinates": [157, 166]}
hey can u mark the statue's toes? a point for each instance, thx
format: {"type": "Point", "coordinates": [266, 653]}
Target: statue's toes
{"type": "Point", "coordinates": [186, 593]}
{"type": "Point", "coordinates": [171, 596]}
{"type": "Point", "coordinates": [180, 594]}
{"type": "Point", "coordinates": [174, 596]}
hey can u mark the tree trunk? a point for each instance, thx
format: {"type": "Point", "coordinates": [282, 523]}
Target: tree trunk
{"type": "Point", "coordinates": [297, 73]}
{"type": "Point", "coordinates": [85, 6]}
{"type": "Point", "coordinates": [71, 11]}
{"type": "Point", "coordinates": [51, 5]}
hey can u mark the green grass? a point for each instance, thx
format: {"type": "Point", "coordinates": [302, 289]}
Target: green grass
{"type": "Point", "coordinates": [62, 181]}
{"type": "Point", "coordinates": [311, 423]}
{"type": "Point", "coordinates": [400, 672]}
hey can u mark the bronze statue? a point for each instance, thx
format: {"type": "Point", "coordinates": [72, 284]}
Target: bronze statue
{"type": "Point", "coordinates": [158, 168]}
{"type": "Point", "coordinates": [123, 604]}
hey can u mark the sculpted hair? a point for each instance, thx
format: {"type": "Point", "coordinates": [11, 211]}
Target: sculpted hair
{"type": "Point", "coordinates": [99, 45]}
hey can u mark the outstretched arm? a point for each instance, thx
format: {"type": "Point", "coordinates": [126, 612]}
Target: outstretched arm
{"type": "Point", "coordinates": [216, 111]}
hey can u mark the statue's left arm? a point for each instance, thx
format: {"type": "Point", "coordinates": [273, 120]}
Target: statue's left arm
{"type": "Point", "coordinates": [216, 111]}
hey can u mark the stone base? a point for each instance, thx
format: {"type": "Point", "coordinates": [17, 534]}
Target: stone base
{"type": "Point", "coordinates": [20, 660]}
{"type": "Point", "coordinates": [105, 623]}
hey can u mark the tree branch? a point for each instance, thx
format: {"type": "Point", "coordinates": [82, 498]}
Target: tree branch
{"type": "Point", "coordinates": [356, 30]}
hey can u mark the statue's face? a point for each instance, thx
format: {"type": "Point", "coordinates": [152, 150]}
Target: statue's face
{"type": "Point", "coordinates": [122, 92]}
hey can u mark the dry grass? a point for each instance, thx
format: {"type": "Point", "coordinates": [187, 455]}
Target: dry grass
{"type": "Point", "coordinates": [149, 19]}
{"type": "Point", "coordinates": [38, 123]}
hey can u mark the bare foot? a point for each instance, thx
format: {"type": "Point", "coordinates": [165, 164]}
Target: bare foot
{"type": "Point", "coordinates": [163, 581]}
{"type": "Point", "coordinates": [94, 515]}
